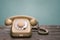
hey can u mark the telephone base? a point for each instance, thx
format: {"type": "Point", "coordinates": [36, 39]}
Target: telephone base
{"type": "Point", "coordinates": [27, 35]}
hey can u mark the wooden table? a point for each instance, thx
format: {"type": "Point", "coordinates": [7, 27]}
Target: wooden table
{"type": "Point", "coordinates": [54, 33]}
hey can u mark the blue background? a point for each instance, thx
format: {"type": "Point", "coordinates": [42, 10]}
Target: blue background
{"type": "Point", "coordinates": [47, 12]}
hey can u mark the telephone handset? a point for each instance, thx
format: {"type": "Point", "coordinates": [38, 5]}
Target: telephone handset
{"type": "Point", "coordinates": [21, 26]}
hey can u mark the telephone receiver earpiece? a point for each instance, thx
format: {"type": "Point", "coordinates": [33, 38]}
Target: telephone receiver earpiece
{"type": "Point", "coordinates": [8, 22]}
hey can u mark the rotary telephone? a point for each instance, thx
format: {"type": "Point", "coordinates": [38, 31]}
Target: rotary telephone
{"type": "Point", "coordinates": [22, 26]}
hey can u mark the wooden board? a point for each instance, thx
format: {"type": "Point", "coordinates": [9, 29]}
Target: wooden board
{"type": "Point", "coordinates": [54, 33]}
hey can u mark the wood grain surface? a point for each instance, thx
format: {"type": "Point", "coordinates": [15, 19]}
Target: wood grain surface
{"type": "Point", "coordinates": [54, 33]}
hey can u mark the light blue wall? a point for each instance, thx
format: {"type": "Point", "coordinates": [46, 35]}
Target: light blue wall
{"type": "Point", "coordinates": [47, 12]}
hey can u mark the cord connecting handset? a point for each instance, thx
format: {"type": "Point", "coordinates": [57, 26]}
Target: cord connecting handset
{"type": "Point", "coordinates": [22, 26]}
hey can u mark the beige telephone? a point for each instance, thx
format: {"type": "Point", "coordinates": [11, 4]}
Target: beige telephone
{"type": "Point", "coordinates": [21, 26]}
